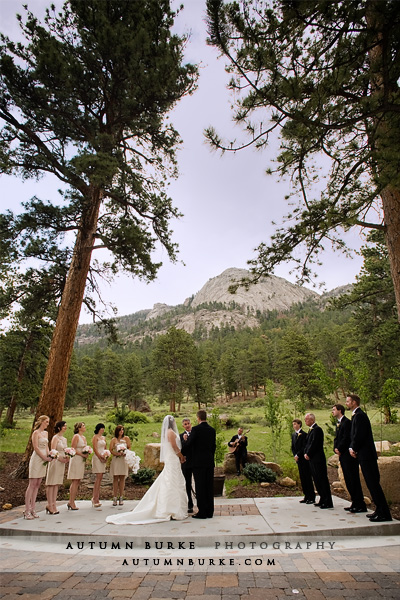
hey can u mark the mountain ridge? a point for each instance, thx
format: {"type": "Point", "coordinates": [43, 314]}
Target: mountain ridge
{"type": "Point", "coordinates": [214, 306]}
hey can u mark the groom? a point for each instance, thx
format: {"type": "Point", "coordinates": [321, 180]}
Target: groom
{"type": "Point", "coordinates": [201, 446]}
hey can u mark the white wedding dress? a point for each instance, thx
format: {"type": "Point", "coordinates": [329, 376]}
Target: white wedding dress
{"type": "Point", "coordinates": [166, 499]}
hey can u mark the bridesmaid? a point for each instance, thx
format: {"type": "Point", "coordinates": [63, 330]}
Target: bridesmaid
{"type": "Point", "coordinates": [76, 469]}
{"type": "Point", "coordinates": [37, 465]}
{"type": "Point", "coordinates": [99, 444]}
{"type": "Point", "coordinates": [56, 469]}
{"type": "Point", "coordinates": [119, 468]}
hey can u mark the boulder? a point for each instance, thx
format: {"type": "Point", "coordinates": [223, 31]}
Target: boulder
{"type": "Point", "coordinates": [389, 468]}
{"type": "Point", "coordinates": [333, 461]}
{"type": "Point", "coordinates": [396, 445]}
{"type": "Point", "coordinates": [287, 482]}
{"type": "Point", "coordinates": [337, 485]}
{"type": "Point", "coordinates": [151, 458]}
{"type": "Point", "coordinates": [383, 446]}
{"type": "Point", "coordinates": [265, 484]}
{"type": "Point", "coordinates": [273, 466]}
{"type": "Point", "coordinates": [252, 457]}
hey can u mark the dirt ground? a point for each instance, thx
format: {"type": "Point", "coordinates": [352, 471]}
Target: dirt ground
{"type": "Point", "coordinates": [14, 489]}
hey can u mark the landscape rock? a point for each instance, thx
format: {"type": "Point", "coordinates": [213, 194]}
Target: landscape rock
{"type": "Point", "coordinates": [151, 457]}
{"type": "Point", "coordinates": [265, 484]}
{"type": "Point", "coordinates": [382, 446]}
{"type": "Point", "coordinates": [229, 465]}
{"type": "Point", "coordinates": [273, 466]}
{"type": "Point", "coordinates": [389, 469]}
{"type": "Point", "coordinates": [337, 485]}
{"type": "Point", "coordinates": [287, 482]}
{"type": "Point", "coordinates": [333, 461]}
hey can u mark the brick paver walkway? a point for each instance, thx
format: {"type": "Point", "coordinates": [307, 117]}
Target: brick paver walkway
{"type": "Point", "coordinates": [235, 586]}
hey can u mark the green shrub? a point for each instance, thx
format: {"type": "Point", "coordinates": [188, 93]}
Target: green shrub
{"type": "Point", "coordinates": [158, 417]}
{"type": "Point", "coordinates": [258, 473]}
{"type": "Point", "coordinates": [136, 417]}
{"type": "Point", "coordinates": [231, 423]}
{"type": "Point", "coordinates": [144, 476]}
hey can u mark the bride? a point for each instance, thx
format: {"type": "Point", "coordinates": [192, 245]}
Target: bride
{"type": "Point", "coordinates": [166, 499]}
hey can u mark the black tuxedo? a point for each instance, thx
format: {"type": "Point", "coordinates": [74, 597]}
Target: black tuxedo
{"type": "Point", "coordinates": [240, 451]}
{"type": "Point", "coordinates": [299, 440]}
{"type": "Point", "coordinates": [362, 442]}
{"type": "Point", "coordinates": [314, 449]}
{"type": "Point", "coordinates": [350, 465]}
{"type": "Point", "coordinates": [187, 470]}
{"type": "Point", "coordinates": [201, 443]}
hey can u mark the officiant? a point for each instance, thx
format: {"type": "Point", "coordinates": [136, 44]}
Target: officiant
{"type": "Point", "coordinates": [187, 466]}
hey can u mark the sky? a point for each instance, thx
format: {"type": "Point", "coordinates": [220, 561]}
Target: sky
{"type": "Point", "coordinates": [228, 201]}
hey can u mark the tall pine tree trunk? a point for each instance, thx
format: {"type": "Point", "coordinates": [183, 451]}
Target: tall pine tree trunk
{"type": "Point", "coordinates": [382, 88]}
{"type": "Point", "coordinates": [55, 381]}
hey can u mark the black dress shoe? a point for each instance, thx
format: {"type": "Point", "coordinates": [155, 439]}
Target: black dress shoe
{"type": "Point", "coordinates": [326, 505]}
{"type": "Point", "coordinates": [197, 516]}
{"type": "Point", "coordinates": [309, 501]}
{"type": "Point", "coordinates": [358, 510]}
{"type": "Point", "coordinates": [348, 508]}
{"type": "Point", "coordinates": [303, 501]}
{"type": "Point", "coordinates": [317, 503]}
{"type": "Point", "coordinates": [379, 519]}
{"type": "Point", "coordinates": [371, 515]}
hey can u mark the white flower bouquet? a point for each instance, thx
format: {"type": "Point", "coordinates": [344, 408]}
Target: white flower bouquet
{"type": "Point", "coordinates": [132, 460]}
{"type": "Point", "coordinates": [121, 449]}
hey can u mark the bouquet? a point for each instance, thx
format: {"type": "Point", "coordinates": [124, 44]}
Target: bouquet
{"type": "Point", "coordinates": [86, 450]}
{"type": "Point", "coordinates": [52, 454]}
{"type": "Point", "coordinates": [132, 460]}
{"type": "Point", "coordinates": [69, 452]}
{"type": "Point", "coordinates": [106, 454]}
{"type": "Point", "coordinates": [121, 449]}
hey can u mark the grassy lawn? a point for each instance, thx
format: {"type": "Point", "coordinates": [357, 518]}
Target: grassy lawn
{"type": "Point", "coordinates": [245, 413]}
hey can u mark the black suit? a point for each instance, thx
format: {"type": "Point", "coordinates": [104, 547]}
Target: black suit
{"type": "Point", "coordinates": [202, 444]}
{"type": "Point", "coordinates": [314, 449]}
{"type": "Point", "coordinates": [187, 470]}
{"type": "Point", "coordinates": [299, 440]}
{"type": "Point", "coordinates": [362, 442]}
{"type": "Point", "coordinates": [240, 451]}
{"type": "Point", "coordinates": [350, 465]}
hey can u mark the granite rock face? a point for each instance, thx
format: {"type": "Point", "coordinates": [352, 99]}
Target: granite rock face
{"type": "Point", "coordinates": [270, 293]}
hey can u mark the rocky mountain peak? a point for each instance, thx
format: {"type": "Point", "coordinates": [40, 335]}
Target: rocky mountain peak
{"type": "Point", "coordinates": [270, 293]}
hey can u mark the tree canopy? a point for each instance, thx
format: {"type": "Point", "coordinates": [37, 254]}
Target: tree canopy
{"type": "Point", "coordinates": [322, 77]}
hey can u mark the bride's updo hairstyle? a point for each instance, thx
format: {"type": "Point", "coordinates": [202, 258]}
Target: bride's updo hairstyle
{"type": "Point", "coordinates": [170, 422]}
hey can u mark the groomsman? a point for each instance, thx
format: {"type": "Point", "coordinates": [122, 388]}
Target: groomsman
{"type": "Point", "coordinates": [314, 452]}
{"type": "Point", "coordinates": [187, 467]}
{"type": "Point", "coordinates": [299, 439]}
{"type": "Point", "coordinates": [350, 465]}
{"type": "Point", "coordinates": [362, 447]}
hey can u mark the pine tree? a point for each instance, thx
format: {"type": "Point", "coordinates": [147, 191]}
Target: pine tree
{"type": "Point", "coordinates": [86, 99]}
{"type": "Point", "coordinates": [322, 78]}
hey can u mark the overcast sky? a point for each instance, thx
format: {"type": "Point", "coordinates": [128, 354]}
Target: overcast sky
{"type": "Point", "coordinates": [228, 202]}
